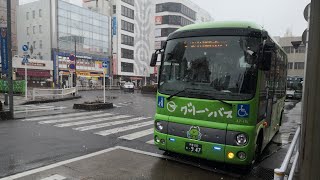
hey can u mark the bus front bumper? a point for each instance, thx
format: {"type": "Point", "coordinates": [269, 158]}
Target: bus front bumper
{"type": "Point", "coordinates": [210, 151]}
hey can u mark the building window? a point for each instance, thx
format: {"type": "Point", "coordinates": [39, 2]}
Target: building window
{"type": "Point", "coordinates": [114, 9]}
{"type": "Point", "coordinates": [40, 29]}
{"type": "Point", "coordinates": [27, 15]}
{"type": "Point", "coordinates": [175, 20]}
{"type": "Point", "coordinates": [131, 2]}
{"type": "Point", "coordinates": [176, 7]}
{"type": "Point", "coordinates": [28, 31]}
{"type": "Point", "coordinates": [299, 65]}
{"type": "Point", "coordinates": [127, 12]}
{"type": "Point", "coordinates": [34, 44]}
{"type": "Point", "coordinates": [301, 49]}
{"type": "Point", "coordinates": [290, 65]}
{"type": "Point", "coordinates": [40, 12]}
{"type": "Point", "coordinates": [127, 53]}
{"type": "Point", "coordinates": [33, 29]}
{"type": "Point", "coordinates": [127, 40]}
{"type": "Point", "coordinates": [40, 44]}
{"type": "Point", "coordinates": [166, 31]}
{"type": "Point", "coordinates": [33, 14]}
{"type": "Point", "coordinates": [126, 67]}
{"type": "Point", "coordinates": [127, 26]}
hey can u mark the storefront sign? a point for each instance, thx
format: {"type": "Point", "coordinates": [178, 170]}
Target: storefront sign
{"type": "Point", "coordinates": [114, 26]}
{"type": "Point", "coordinates": [35, 64]}
{"type": "Point", "coordinates": [158, 19]}
{"type": "Point", "coordinates": [83, 74]}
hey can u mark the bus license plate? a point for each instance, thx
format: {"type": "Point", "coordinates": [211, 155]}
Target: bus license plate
{"type": "Point", "coordinates": [194, 148]}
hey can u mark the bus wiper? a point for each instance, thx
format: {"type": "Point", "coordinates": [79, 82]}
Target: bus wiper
{"type": "Point", "coordinates": [212, 98]}
{"type": "Point", "coordinates": [172, 95]}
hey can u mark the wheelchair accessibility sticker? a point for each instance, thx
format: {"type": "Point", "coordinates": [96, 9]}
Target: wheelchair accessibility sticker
{"type": "Point", "coordinates": [243, 110]}
{"type": "Point", "coordinates": [160, 101]}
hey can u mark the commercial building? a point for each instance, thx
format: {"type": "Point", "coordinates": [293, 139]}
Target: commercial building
{"type": "Point", "coordinates": [56, 30]}
{"type": "Point", "coordinates": [174, 14]}
{"type": "Point", "coordinates": [296, 57]}
{"type": "Point", "coordinates": [132, 37]}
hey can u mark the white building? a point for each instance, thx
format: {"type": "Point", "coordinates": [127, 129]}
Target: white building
{"type": "Point", "coordinates": [174, 14]}
{"type": "Point", "coordinates": [133, 37]}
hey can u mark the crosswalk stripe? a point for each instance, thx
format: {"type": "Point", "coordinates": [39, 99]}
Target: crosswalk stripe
{"type": "Point", "coordinates": [91, 121]}
{"type": "Point", "coordinates": [137, 134]}
{"type": "Point", "coordinates": [96, 126]}
{"type": "Point", "coordinates": [37, 110]}
{"type": "Point", "coordinates": [59, 116]}
{"type": "Point", "coordinates": [121, 129]}
{"type": "Point", "coordinates": [150, 142]}
{"type": "Point", "coordinates": [75, 119]}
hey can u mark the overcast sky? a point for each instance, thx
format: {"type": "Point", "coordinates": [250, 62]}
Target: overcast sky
{"type": "Point", "coordinates": [277, 16]}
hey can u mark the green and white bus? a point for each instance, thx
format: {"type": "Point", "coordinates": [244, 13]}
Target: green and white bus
{"type": "Point", "coordinates": [221, 91]}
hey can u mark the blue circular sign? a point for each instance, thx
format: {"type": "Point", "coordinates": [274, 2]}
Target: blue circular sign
{"type": "Point", "coordinates": [72, 66]}
{"type": "Point", "coordinates": [72, 57]}
{"type": "Point", "coordinates": [25, 48]}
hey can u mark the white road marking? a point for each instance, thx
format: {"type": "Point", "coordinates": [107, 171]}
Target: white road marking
{"type": "Point", "coordinates": [26, 173]}
{"type": "Point", "coordinates": [75, 119]}
{"type": "Point", "coordinates": [150, 142]}
{"type": "Point", "coordinates": [96, 126]}
{"type": "Point", "coordinates": [37, 110]}
{"type": "Point", "coordinates": [60, 116]}
{"type": "Point", "coordinates": [122, 129]}
{"type": "Point", "coordinates": [55, 177]}
{"type": "Point", "coordinates": [91, 121]}
{"type": "Point", "coordinates": [137, 134]}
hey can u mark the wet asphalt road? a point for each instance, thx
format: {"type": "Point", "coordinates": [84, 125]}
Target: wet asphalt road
{"type": "Point", "coordinates": [28, 145]}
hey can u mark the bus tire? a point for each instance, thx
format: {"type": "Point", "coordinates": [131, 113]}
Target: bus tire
{"type": "Point", "coordinates": [258, 149]}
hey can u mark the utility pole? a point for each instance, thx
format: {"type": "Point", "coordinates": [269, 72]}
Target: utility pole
{"type": "Point", "coordinates": [75, 63]}
{"type": "Point", "coordinates": [310, 143]}
{"type": "Point", "coordinates": [10, 83]}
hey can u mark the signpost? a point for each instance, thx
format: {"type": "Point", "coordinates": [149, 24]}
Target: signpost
{"type": "Point", "coordinates": [105, 66]}
{"type": "Point", "coordinates": [25, 61]}
{"type": "Point", "coordinates": [72, 68]}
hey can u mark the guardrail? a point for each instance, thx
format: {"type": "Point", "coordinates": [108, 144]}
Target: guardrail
{"type": "Point", "coordinates": [53, 92]}
{"type": "Point", "coordinates": [280, 173]}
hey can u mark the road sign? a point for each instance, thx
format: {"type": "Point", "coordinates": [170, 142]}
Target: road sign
{"type": "Point", "coordinates": [304, 37]}
{"type": "Point", "coordinates": [72, 66]}
{"type": "Point", "coordinates": [25, 60]}
{"type": "Point", "coordinates": [25, 48]}
{"type": "Point", "coordinates": [306, 12]}
{"type": "Point", "coordinates": [72, 57]}
{"type": "Point", "coordinates": [105, 65]}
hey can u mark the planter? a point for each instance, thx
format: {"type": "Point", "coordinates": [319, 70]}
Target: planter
{"type": "Point", "coordinates": [5, 115]}
{"type": "Point", "coordinates": [93, 106]}
{"type": "Point", "coordinates": [151, 89]}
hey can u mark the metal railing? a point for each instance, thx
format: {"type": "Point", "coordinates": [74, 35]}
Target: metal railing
{"type": "Point", "coordinates": [53, 93]}
{"type": "Point", "coordinates": [280, 173]}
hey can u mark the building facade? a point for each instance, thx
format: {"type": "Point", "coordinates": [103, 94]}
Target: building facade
{"type": "Point", "coordinates": [132, 37]}
{"type": "Point", "coordinates": [174, 14]}
{"type": "Point", "coordinates": [56, 30]}
{"type": "Point", "coordinates": [296, 57]}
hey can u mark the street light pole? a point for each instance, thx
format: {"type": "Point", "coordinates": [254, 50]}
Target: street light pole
{"type": "Point", "coordinates": [75, 63]}
{"type": "Point", "coordinates": [10, 83]}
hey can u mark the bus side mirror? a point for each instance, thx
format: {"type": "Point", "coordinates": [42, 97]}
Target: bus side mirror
{"type": "Point", "coordinates": [154, 59]}
{"type": "Point", "coordinates": [266, 57]}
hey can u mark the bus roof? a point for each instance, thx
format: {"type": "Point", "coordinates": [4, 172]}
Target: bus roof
{"type": "Point", "coordinates": [227, 24]}
{"type": "Point", "coordinates": [222, 24]}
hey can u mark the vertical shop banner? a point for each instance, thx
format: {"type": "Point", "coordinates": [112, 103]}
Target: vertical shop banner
{"type": "Point", "coordinates": [114, 26]}
{"type": "Point", "coordinates": [4, 50]}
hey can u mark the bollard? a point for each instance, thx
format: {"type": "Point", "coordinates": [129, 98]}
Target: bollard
{"type": "Point", "coordinates": [6, 99]}
{"type": "Point", "coordinates": [278, 174]}
{"type": "Point", "coordinates": [1, 107]}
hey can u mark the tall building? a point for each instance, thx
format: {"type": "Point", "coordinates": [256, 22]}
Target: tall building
{"type": "Point", "coordinates": [132, 37]}
{"type": "Point", "coordinates": [57, 29]}
{"type": "Point", "coordinates": [174, 14]}
{"type": "Point", "coordinates": [296, 57]}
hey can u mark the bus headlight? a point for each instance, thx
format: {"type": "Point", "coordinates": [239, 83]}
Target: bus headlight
{"type": "Point", "coordinates": [241, 139]}
{"type": "Point", "coordinates": [159, 126]}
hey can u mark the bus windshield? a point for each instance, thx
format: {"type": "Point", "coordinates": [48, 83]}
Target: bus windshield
{"type": "Point", "coordinates": [216, 67]}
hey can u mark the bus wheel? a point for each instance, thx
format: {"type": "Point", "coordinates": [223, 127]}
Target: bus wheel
{"type": "Point", "coordinates": [258, 148]}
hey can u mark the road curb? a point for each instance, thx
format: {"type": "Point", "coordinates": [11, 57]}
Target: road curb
{"type": "Point", "coordinates": [51, 100]}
